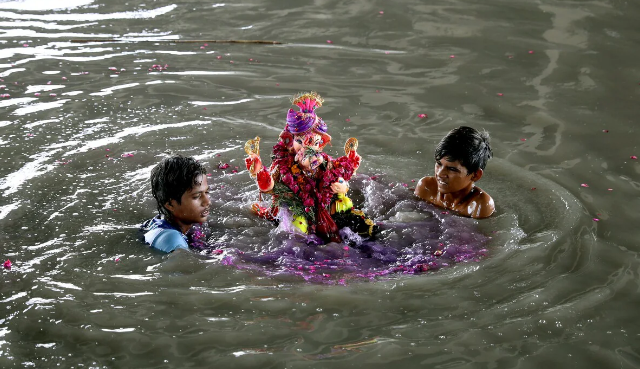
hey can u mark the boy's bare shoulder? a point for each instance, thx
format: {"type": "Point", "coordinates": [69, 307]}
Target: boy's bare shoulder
{"type": "Point", "coordinates": [484, 204]}
{"type": "Point", "coordinates": [426, 188]}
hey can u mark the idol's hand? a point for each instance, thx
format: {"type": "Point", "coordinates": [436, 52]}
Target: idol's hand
{"type": "Point", "coordinates": [254, 164]}
{"type": "Point", "coordinates": [265, 180]}
{"type": "Point", "coordinates": [350, 149]}
{"type": "Point", "coordinates": [341, 186]}
{"type": "Point", "coordinates": [355, 159]}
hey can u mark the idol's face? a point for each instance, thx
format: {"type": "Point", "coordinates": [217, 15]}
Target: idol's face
{"type": "Point", "coordinates": [303, 142]}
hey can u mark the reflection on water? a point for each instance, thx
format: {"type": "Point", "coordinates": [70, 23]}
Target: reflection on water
{"type": "Point", "coordinates": [82, 124]}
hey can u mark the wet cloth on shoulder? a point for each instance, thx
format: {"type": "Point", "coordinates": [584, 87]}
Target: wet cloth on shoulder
{"type": "Point", "coordinates": [163, 236]}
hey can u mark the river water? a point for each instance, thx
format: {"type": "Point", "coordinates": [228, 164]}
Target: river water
{"type": "Point", "coordinates": [556, 83]}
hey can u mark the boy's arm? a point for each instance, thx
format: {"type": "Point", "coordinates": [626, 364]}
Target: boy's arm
{"type": "Point", "coordinates": [485, 206]}
{"type": "Point", "coordinates": [169, 241]}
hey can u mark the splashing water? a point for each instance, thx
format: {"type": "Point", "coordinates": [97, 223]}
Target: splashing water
{"type": "Point", "coordinates": [414, 237]}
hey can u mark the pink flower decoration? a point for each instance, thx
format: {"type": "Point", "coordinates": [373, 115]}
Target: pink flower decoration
{"type": "Point", "coordinates": [7, 264]}
{"type": "Point", "coordinates": [584, 185]}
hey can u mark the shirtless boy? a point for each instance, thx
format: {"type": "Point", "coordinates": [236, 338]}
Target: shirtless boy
{"type": "Point", "coordinates": [179, 185]}
{"type": "Point", "coordinates": [461, 157]}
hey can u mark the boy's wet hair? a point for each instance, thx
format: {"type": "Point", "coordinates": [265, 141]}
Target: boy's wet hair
{"type": "Point", "coordinates": [172, 177]}
{"type": "Point", "coordinates": [468, 146]}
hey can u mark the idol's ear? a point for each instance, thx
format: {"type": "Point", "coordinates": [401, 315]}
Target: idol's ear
{"type": "Point", "coordinates": [477, 175]}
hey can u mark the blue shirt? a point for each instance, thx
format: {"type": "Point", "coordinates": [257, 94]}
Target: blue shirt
{"type": "Point", "coordinates": [163, 236]}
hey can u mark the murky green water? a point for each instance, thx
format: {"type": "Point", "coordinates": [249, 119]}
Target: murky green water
{"type": "Point", "coordinates": [556, 83]}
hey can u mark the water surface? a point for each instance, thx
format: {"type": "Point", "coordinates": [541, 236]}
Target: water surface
{"type": "Point", "coordinates": [556, 83]}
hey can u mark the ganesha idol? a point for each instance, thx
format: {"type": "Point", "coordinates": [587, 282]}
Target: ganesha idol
{"type": "Point", "coordinates": [308, 188]}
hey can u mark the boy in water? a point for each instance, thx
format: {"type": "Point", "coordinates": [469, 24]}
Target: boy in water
{"type": "Point", "coordinates": [461, 157]}
{"type": "Point", "coordinates": [179, 185]}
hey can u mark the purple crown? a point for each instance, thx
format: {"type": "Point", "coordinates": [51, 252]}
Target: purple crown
{"type": "Point", "coordinates": [306, 119]}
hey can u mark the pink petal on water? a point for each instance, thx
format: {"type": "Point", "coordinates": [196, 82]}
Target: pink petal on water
{"type": "Point", "coordinates": [523, 139]}
{"type": "Point", "coordinates": [223, 166]}
{"type": "Point", "coordinates": [53, 95]}
{"type": "Point", "coordinates": [381, 12]}
{"type": "Point", "coordinates": [500, 94]}
{"type": "Point", "coordinates": [584, 185]}
{"type": "Point", "coordinates": [533, 188]}
{"type": "Point", "coordinates": [347, 120]}
{"type": "Point", "coordinates": [452, 56]}
{"type": "Point", "coordinates": [596, 219]}
{"type": "Point", "coordinates": [204, 108]}
{"type": "Point", "coordinates": [609, 189]}
{"type": "Point", "coordinates": [7, 264]}
{"type": "Point", "coordinates": [634, 157]}
{"type": "Point", "coordinates": [329, 41]}
{"type": "Point", "coordinates": [49, 82]}
{"type": "Point", "coordinates": [117, 260]}
{"type": "Point", "coordinates": [605, 130]}
{"type": "Point", "coordinates": [26, 45]}
{"type": "Point", "coordinates": [64, 78]}
{"type": "Point", "coordinates": [386, 52]}
{"type": "Point", "coordinates": [201, 47]}
{"type": "Point", "coordinates": [219, 57]}
{"type": "Point", "coordinates": [422, 116]}
{"type": "Point", "coordinates": [206, 44]}
{"type": "Point", "coordinates": [277, 84]}
{"type": "Point", "coordinates": [530, 51]}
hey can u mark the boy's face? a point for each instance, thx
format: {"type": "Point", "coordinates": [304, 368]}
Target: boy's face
{"type": "Point", "coordinates": [452, 176]}
{"type": "Point", "coordinates": [193, 207]}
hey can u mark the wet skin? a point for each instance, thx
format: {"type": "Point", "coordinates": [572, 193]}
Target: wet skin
{"type": "Point", "coordinates": [453, 188]}
{"type": "Point", "coordinates": [193, 207]}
